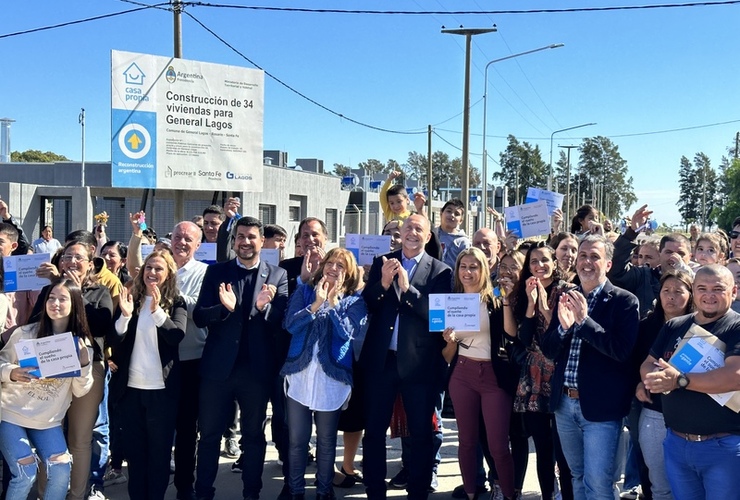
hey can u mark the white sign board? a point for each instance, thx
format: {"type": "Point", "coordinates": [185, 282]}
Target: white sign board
{"type": "Point", "coordinates": [460, 311]}
{"type": "Point", "coordinates": [180, 124]}
{"type": "Point", "coordinates": [528, 220]}
{"type": "Point", "coordinates": [366, 247]}
{"type": "Point", "coordinates": [554, 200]}
{"type": "Point", "coordinates": [20, 272]}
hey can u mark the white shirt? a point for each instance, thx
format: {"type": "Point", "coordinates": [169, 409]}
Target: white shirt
{"type": "Point", "coordinates": [145, 370]}
{"type": "Point", "coordinates": [315, 389]}
{"type": "Point", "coordinates": [189, 280]}
{"type": "Point", "coordinates": [42, 246]}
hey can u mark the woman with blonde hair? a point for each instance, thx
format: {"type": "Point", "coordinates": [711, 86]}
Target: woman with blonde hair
{"type": "Point", "coordinates": [145, 387]}
{"type": "Point", "coordinates": [323, 317]}
{"type": "Point", "coordinates": [482, 379]}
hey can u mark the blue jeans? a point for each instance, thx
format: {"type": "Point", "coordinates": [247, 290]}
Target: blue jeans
{"type": "Point", "coordinates": [101, 439]}
{"type": "Point", "coordinates": [652, 435]}
{"type": "Point", "coordinates": [299, 431]}
{"type": "Point", "coordinates": [15, 444]}
{"type": "Point", "coordinates": [590, 449]}
{"type": "Point", "coordinates": [703, 470]}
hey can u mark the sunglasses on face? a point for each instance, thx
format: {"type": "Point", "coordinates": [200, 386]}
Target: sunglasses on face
{"type": "Point", "coordinates": [734, 235]}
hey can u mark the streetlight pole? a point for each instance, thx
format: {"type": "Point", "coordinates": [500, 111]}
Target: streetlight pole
{"type": "Point", "coordinates": [552, 178]}
{"type": "Point", "coordinates": [468, 32]}
{"type": "Point", "coordinates": [484, 197]}
{"type": "Point", "coordinates": [567, 188]}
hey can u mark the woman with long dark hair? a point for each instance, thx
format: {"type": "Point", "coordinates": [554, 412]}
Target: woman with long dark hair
{"type": "Point", "coordinates": [481, 379]}
{"type": "Point", "coordinates": [535, 301]}
{"type": "Point", "coordinates": [151, 324]}
{"type": "Point", "coordinates": [675, 299]}
{"type": "Point", "coordinates": [33, 408]}
{"type": "Point", "coordinates": [115, 253]}
{"type": "Point", "coordinates": [583, 220]}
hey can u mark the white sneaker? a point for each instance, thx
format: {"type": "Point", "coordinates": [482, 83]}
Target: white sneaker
{"type": "Point", "coordinates": [96, 495]}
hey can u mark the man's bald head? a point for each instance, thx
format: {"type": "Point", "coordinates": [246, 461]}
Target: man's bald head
{"type": "Point", "coordinates": [488, 242]}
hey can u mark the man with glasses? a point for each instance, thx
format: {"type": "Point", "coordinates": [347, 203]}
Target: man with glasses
{"type": "Point", "coordinates": [675, 253]}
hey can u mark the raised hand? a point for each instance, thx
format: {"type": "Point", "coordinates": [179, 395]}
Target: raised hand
{"type": "Point", "coordinates": [134, 219]}
{"type": "Point", "coordinates": [226, 296]}
{"type": "Point", "coordinates": [126, 303]}
{"type": "Point", "coordinates": [640, 217]}
{"type": "Point", "coordinates": [419, 202]}
{"type": "Point", "coordinates": [565, 314]}
{"type": "Point", "coordinates": [532, 290]}
{"type": "Point", "coordinates": [336, 291]}
{"type": "Point", "coordinates": [557, 220]}
{"type": "Point", "coordinates": [156, 297]}
{"type": "Point", "coordinates": [47, 270]}
{"type": "Point", "coordinates": [232, 207]}
{"type": "Point", "coordinates": [322, 292]}
{"type": "Point", "coordinates": [395, 174]}
{"type": "Point", "coordinates": [388, 272]}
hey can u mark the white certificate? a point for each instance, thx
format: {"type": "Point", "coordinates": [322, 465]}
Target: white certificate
{"type": "Point", "coordinates": [528, 220]}
{"type": "Point", "coordinates": [366, 247]}
{"type": "Point", "coordinates": [206, 253]}
{"type": "Point", "coordinates": [554, 200]}
{"type": "Point", "coordinates": [20, 272]}
{"type": "Point", "coordinates": [270, 255]}
{"type": "Point", "coordinates": [55, 356]}
{"type": "Point", "coordinates": [460, 311]}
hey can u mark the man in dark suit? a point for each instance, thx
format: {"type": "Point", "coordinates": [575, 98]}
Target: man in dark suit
{"type": "Point", "coordinates": [400, 355]}
{"type": "Point", "coordinates": [242, 302]}
{"type": "Point", "coordinates": [591, 342]}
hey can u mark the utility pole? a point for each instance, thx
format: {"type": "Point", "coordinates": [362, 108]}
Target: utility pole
{"type": "Point", "coordinates": [567, 186]}
{"type": "Point", "coordinates": [429, 174]}
{"type": "Point", "coordinates": [81, 119]}
{"type": "Point", "coordinates": [468, 32]}
{"type": "Point", "coordinates": [737, 144]}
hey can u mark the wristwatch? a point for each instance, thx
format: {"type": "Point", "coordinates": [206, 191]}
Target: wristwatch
{"type": "Point", "coordinates": [682, 381]}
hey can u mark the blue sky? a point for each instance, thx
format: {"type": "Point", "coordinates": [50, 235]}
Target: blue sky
{"type": "Point", "coordinates": [630, 71]}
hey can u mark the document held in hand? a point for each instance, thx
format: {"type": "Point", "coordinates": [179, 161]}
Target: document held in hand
{"type": "Point", "coordinates": [460, 311]}
{"type": "Point", "coordinates": [55, 356]}
{"type": "Point", "coordinates": [699, 351]}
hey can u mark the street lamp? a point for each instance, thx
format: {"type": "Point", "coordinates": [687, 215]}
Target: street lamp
{"type": "Point", "coordinates": [484, 199]}
{"type": "Point", "coordinates": [468, 32]}
{"type": "Point", "coordinates": [550, 179]}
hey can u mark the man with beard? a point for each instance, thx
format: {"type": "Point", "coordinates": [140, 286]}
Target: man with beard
{"type": "Point", "coordinates": [242, 302]}
{"type": "Point", "coordinates": [591, 341]}
{"type": "Point", "coordinates": [702, 444]}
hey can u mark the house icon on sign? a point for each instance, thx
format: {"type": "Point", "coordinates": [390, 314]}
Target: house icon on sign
{"type": "Point", "coordinates": [134, 75]}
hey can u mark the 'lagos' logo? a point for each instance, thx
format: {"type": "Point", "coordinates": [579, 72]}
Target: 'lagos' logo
{"type": "Point", "coordinates": [238, 177]}
{"type": "Point", "coordinates": [171, 75]}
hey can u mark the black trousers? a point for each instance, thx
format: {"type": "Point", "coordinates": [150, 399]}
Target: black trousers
{"type": "Point", "coordinates": [148, 422]}
{"type": "Point", "coordinates": [186, 426]}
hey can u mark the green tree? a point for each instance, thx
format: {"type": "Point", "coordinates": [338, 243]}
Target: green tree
{"type": "Point", "coordinates": [706, 179]}
{"type": "Point", "coordinates": [341, 170]}
{"type": "Point", "coordinates": [521, 167]}
{"type": "Point", "coordinates": [36, 156]}
{"type": "Point", "coordinates": [373, 166]}
{"type": "Point", "coordinates": [445, 171]}
{"type": "Point", "coordinates": [726, 214]}
{"type": "Point", "coordinates": [688, 203]}
{"type": "Point", "coordinates": [603, 175]}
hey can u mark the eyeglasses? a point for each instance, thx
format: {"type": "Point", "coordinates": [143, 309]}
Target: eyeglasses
{"type": "Point", "coordinates": [463, 344]}
{"type": "Point", "coordinates": [74, 258]}
{"type": "Point", "coordinates": [734, 235]}
{"type": "Point", "coordinates": [511, 269]}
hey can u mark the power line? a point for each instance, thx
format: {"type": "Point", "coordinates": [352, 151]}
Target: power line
{"type": "Point", "coordinates": [636, 134]}
{"type": "Point", "coordinates": [80, 21]}
{"type": "Point", "coordinates": [467, 12]}
{"type": "Point", "coordinates": [301, 94]}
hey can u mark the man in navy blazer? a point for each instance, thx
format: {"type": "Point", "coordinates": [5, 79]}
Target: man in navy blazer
{"type": "Point", "coordinates": [400, 355]}
{"type": "Point", "coordinates": [242, 303]}
{"type": "Point", "coordinates": [591, 342]}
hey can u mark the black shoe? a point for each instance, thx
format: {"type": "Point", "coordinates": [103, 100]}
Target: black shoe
{"type": "Point", "coordinates": [236, 467]}
{"type": "Point", "coordinates": [285, 493]}
{"type": "Point", "coordinates": [400, 480]}
{"type": "Point", "coordinates": [358, 476]}
{"type": "Point", "coordinates": [459, 491]}
{"type": "Point", "coordinates": [325, 496]}
{"type": "Point", "coordinates": [186, 494]}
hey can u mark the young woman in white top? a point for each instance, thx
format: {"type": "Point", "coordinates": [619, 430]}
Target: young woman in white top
{"type": "Point", "coordinates": [33, 408]}
{"type": "Point", "coordinates": [151, 325]}
{"type": "Point", "coordinates": [482, 379]}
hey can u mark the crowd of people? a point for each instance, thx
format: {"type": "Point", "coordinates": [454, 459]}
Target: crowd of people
{"type": "Point", "coordinates": [575, 341]}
